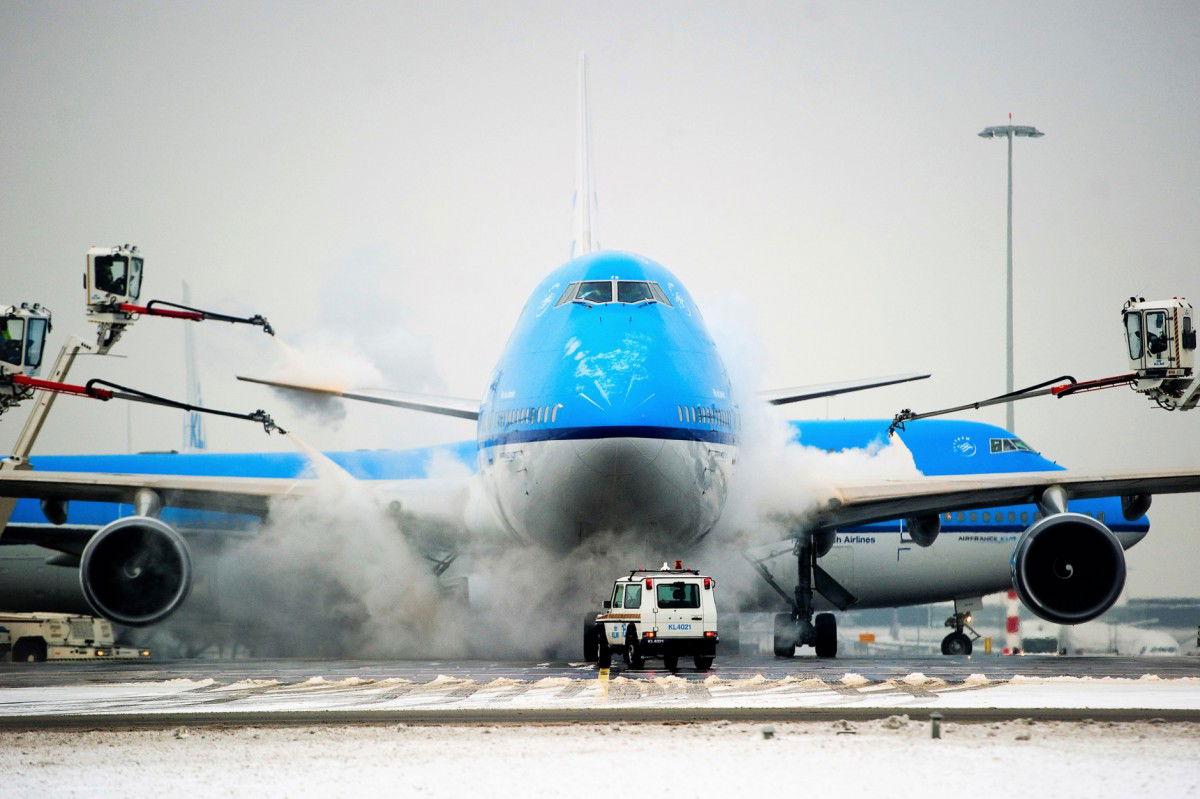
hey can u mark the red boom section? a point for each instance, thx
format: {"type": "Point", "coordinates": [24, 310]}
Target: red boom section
{"type": "Point", "coordinates": [193, 316]}
{"type": "Point", "coordinates": [63, 388]}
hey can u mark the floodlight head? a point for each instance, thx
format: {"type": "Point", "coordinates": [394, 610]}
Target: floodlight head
{"type": "Point", "coordinates": [1004, 131]}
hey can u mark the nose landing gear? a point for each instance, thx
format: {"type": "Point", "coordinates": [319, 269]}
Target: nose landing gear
{"type": "Point", "coordinates": [958, 642]}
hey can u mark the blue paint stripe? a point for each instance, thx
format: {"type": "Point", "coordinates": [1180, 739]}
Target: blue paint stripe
{"type": "Point", "coordinates": [617, 431]}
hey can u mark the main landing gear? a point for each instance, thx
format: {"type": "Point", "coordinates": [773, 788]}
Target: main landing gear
{"type": "Point", "coordinates": [800, 627]}
{"type": "Point", "coordinates": [958, 642]}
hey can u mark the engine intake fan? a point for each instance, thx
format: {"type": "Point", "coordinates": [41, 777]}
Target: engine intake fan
{"type": "Point", "coordinates": [135, 571]}
{"type": "Point", "coordinates": [1068, 568]}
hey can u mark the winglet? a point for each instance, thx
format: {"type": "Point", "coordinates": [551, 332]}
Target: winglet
{"type": "Point", "coordinates": [585, 193]}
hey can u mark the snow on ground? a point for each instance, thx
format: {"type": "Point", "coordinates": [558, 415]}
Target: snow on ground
{"type": "Point", "coordinates": [892, 757]}
{"type": "Point", "coordinates": [446, 692]}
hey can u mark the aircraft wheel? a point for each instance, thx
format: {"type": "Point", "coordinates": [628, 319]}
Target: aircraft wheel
{"type": "Point", "coordinates": [956, 644]}
{"type": "Point", "coordinates": [784, 639]}
{"type": "Point", "coordinates": [703, 662]}
{"type": "Point", "coordinates": [826, 627]}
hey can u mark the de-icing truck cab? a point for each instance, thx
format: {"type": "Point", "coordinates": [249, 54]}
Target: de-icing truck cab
{"type": "Point", "coordinates": [658, 613]}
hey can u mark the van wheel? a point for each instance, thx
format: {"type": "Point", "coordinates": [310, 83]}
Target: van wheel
{"type": "Point", "coordinates": [604, 660]}
{"type": "Point", "coordinates": [591, 639]}
{"type": "Point", "coordinates": [633, 658]}
{"type": "Point", "coordinates": [671, 663]}
{"type": "Point", "coordinates": [29, 650]}
{"type": "Point", "coordinates": [703, 662]}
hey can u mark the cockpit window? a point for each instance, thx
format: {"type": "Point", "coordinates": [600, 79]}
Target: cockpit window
{"type": "Point", "coordinates": [111, 273]}
{"type": "Point", "coordinates": [135, 278]}
{"type": "Point", "coordinates": [595, 291]}
{"type": "Point", "coordinates": [567, 295]}
{"type": "Point", "coordinates": [34, 341]}
{"type": "Point", "coordinates": [630, 292]}
{"type": "Point", "coordinates": [1156, 332]}
{"type": "Point", "coordinates": [1133, 329]}
{"type": "Point", "coordinates": [659, 294]}
{"type": "Point", "coordinates": [633, 291]}
{"type": "Point", "coordinates": [1010, 445]}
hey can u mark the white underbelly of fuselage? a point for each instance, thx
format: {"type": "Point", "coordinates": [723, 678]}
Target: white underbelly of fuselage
{"type": "Point", "coordinates": [557, 493]}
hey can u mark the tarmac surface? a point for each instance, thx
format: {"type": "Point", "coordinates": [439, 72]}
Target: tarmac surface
{"type": "Point", "coordinates": [92, 695]}
{"type": "Point", "coordinates": [874, 669]}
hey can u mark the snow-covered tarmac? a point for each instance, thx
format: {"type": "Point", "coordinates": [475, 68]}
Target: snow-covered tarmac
{"type": "Point", "coordinates": [540, 730]}
{"type": "Point", "coordinates": [592, 695]}
{"type": "Point", "coordinates": [891, 757]}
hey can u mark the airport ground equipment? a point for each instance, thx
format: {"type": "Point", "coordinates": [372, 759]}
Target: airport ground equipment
{"type": "Point", "coordinates": [36, 637]}
{"type": "Point", "coordinates": [23, 330]}
{"type": "Point", "coordinates": [1160, 337]}
{"type": "Point", "coordinates": [667, 613]}
{"type": "Point", "coordinates": [113, 285]}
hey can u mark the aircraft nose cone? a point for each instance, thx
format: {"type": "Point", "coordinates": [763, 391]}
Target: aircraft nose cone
{"type": "Point", "coordinates": [618, 457]}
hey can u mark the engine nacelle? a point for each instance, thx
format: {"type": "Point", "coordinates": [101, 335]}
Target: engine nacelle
{"type": "Point", "coordinates": [1068, 568]}
{"type": "Point", "coordinates": [923, 530]}
{"type": "Point", "coordinates": [135, 571]}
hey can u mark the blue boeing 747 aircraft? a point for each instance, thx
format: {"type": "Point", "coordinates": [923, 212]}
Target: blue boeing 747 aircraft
{"type": "Point", "coordinates": [611, 410]}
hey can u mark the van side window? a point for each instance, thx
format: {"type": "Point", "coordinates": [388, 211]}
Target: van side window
{"type": "Point", "coordinates": [633, 595]}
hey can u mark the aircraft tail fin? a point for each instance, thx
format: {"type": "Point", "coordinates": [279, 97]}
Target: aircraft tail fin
{"type": "Point", "coordinates": [585, 191]}
{"type": "Point", "coordinates": [193, 423]}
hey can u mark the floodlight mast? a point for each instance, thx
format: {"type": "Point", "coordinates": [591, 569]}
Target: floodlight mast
{"type": "Point", "coordinates": [1008, 132]}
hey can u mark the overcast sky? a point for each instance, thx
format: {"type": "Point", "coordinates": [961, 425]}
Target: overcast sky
{"type": "Point", "coordinates": [394, 178]}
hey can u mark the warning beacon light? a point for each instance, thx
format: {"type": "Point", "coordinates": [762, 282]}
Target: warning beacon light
{"type": "Point", "coordinates": [23, 332]}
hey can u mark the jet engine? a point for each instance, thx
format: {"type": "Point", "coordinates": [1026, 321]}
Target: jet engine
{"type": "Point", "coordinates": [1068, 568]}
{"type": "Point", "coordinates": [923, 530]}
{"type": "Point", "coordinates": [135, 571]}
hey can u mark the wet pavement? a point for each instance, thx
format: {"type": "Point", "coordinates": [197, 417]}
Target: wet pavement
{"type": "Point", "coordinates": [872, 669]}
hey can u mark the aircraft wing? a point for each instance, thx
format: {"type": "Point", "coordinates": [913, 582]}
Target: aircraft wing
{"type": "Point", "coordinates": [783, 396]}
{"type": "Point", "coordinates": [862, 503]}
{"type": "Point", "coordinates": [446, 406]}
{"type": "Point", "coordinates": [430, 508]}
{"type": "Point", "coordinates": [227, 494]}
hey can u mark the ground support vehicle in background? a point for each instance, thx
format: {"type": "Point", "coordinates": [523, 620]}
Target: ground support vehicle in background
{"type": "Point", "coordinates": [35, 637]}
{"type": "Point", "coordinates": [665, 613]}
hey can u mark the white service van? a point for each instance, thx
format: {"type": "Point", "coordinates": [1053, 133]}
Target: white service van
{"type": "Point", "coordinates": [663, 613]}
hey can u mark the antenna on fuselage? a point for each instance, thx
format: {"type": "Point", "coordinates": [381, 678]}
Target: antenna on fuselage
{"type": "Point", "coordinates": [585, 193]}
